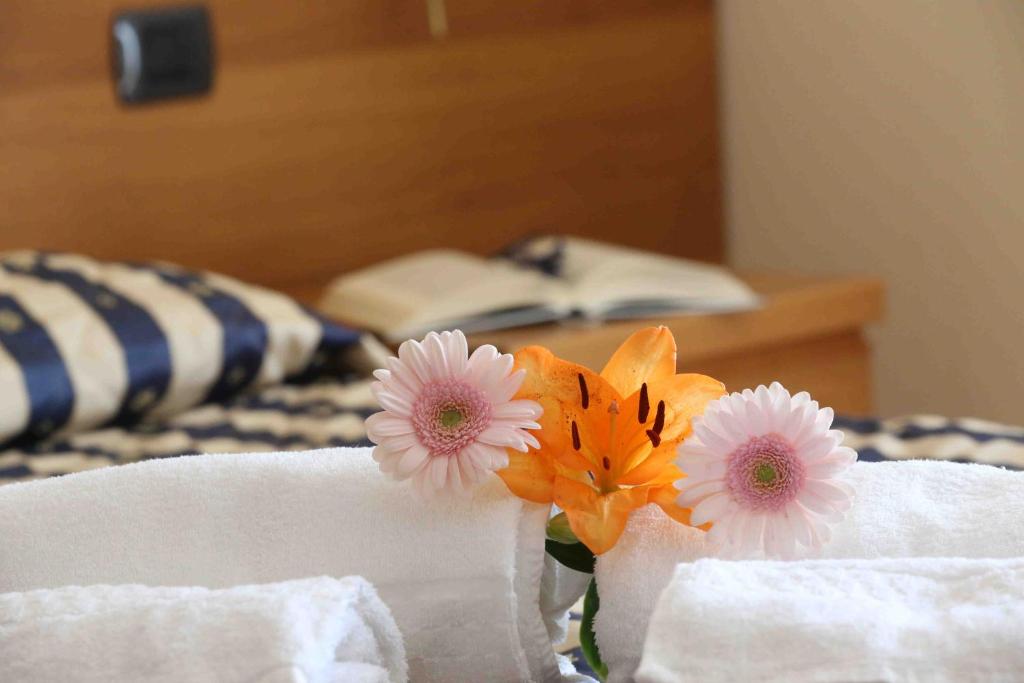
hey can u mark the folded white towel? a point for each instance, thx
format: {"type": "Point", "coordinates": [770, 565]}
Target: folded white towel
{"type": "Point", "coordinates": [461, 576]}
{"type": "Point", "coordinates": [911, 619]}
{"type": "Point", "coordinates": [319, 630]}
{"type": "Point", "coordinates": [901, 509]}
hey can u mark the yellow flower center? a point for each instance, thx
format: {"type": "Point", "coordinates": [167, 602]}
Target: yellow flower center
{"type": "Point", "coordinates": [765, 474]}
{"type": "Point", "coordinates": [451, 417]}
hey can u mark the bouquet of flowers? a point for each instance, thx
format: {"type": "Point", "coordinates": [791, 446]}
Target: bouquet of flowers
{"type": "Point", "coordinates": [757, 470]}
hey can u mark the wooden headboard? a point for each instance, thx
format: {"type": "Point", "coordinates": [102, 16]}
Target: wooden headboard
{"type": "Point", "coordinates": [339, 133]}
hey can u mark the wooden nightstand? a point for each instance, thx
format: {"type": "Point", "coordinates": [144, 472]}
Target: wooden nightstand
{"type": "Point", "coordinates": [809, 336]}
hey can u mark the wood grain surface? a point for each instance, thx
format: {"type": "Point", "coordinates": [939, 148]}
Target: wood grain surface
{"type": "Point", "coordinates": [341, 133]}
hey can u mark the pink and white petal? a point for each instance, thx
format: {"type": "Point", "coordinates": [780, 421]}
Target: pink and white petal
{"type": "Point", "coordinates": [724, 530]}
{"type": "Point", "coordinates": [457, 351]}
{"type": "Point", "coordinates": [382, 375]}
{"type": "Point", "coordinates": [403, 375]}
{"type": "Point", "coordinates": [735, 404]}
{"type": "Point", "coordinates": [780, 399]}
{"type": "Point", "coordinates": [508, 386]}
{"type": "Point", "coordinates": [487, 457]}
{"type": "Point", "coordinates": [401, 391]}
{"type": "Point", "coordinates": [837, 493]}
{"type": "Point", "coordinates": [395, 404]}
{"type": "Point", "coordinates": [386, 460]}
{"type": "Point", "coordinates": [414, 357]}
{"type": "Point", "coordinates": [826, 468]}
{"type": "Point", "coordinates": [785, 541]}
{"type": "Point", "coordinates": [412, 460]}
{"type": "Point", "coordinates": [823, 420]}
{"type": "Point", "coordinates": [711, 508]}
{"type": "Point", "coordinates": [702, 468]}
{"type": "Point", "coordinates": [499, 457]}
{"type": "Point", "coordinates": [436, 356]}
{"type": "Point", "coordinates": [715, 442]}
{"type": "Point", "coordinates": [819, 530]}
{"type": "Point", "coordinates": [713, 469]}
{"type": "Point", "coordinates": [759, 411]}
{"type": "Point", "coordinates": [693, 494]}
{"type": "Point", "coordinates": [438, 469]}
{"type": "Point", "coordinates": [798, 524]}
{"type": "Point", "coordinates": [471, 471]}
{"type": "Point", "coordinates": [481, 359]}
{"type": "Point", "coordinates": [729, 431]}
{"type": "Point", "coordinates": [384, 424]}
{"type": "Point", "coordinates": [694, 447]}
{"type": "Point", "coordinates": [514, 423]}
{"type": "Point", "coordinates": [492, 376]}
{"type": "Point", "coordinates": [752, 540]}
{"type": "Point", "coordinates": [801, 399]}
{"type": "Point", "coordinates": [457, 482]}
{"type": "Point", "coordinates": [519, 409]}
{"type": "Point", "coordinates": [815, 503]}
{"type": "Point", "coordinates": [421, 482]}
{"type": "Point", "coordinates": [818, 445]}
{"type": "Point", "coordinates": [772, 540]}
{"type": "Point", "coordinates": [398, 443]}
{"type": "Point", "coordinates": [799, 423]}
{"type": "Point", "coordinates": [731, 532]}
{"type": "Point", "coordinates": [498, 434]}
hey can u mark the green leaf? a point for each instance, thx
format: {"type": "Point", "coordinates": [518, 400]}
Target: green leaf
{"type": "Point", "coordinates": [573, 555]}
{"type": "Point", "coordinates": [559, 530]}
{"type": "Point", "coordinates": [588, 641]}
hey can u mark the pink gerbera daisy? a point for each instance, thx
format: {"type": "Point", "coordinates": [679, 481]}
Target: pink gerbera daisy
{"type": "Point", "coordinates": [762, 466]}
{"type": "Point", "coordinates": [448, 417]}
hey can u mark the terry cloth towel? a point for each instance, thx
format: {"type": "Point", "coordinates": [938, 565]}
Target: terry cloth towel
{"type": "Point", "coordinates": [916, 508]}
{"type": "Point", "coordinates": [912, 619]}
{"type": "Point", "coordinates": [462, 576]}
{"type": "Point", "coordinates": [319, 630]}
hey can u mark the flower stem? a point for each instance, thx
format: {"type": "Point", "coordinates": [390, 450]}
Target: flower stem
{"type": "Point", "coordinates": [588, 641]}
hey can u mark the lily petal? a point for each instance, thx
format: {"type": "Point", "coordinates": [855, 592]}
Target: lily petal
{"type": "Point", "coordinates": [649, 355]}
{"type": "Point", "coordinates": [530, 476]}
{"type": "Point", "coordinates": [597, 519]}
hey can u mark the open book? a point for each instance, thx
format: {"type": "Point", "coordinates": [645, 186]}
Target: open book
{"type": "Point", "coordinates": [445, 289]}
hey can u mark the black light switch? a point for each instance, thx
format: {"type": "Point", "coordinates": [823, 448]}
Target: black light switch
{"type": "Point", "coordinates": [163, 52]}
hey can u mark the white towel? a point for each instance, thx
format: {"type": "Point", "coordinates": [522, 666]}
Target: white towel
{"type": "Point", "coordinates": [461, 576]}
{"type": "Point", "coordinates": [901, 509]}
{"type": "Point", "coordinates": [319, 630]}
{"type": "Point", "coordinates": [911, 619]}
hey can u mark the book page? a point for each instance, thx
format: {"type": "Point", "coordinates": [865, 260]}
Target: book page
{"type": "Point", "coordinates": [439, 287]}
{"type": "Point", "coordinates": [608, 279]}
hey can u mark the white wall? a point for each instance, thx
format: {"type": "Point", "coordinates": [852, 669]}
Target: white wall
{"type": "Point", "coordinates": [887, 137]}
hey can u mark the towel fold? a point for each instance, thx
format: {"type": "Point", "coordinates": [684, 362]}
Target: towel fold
{"type": "Point", "coordinates": [901, 509]}
{"type": "Point", "coordinates": [911, 619]}
{"type": "Point", "coordinates": [318, 630]}
{"type": "Point", "coordinates": [462, 576]}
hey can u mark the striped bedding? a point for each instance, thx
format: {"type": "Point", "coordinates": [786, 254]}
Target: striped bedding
{"type": "Point", "coordinates": [87, 343]}
{"type": "Point", "coordinates": [330, 413]}
{"type": "Point", "coordinates": [285, 417]}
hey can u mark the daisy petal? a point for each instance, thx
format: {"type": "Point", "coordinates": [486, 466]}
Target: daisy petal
{"type": "Point", "coordinates": [384, 424]}
{"type": "Point", "coordinates": [411, 460]}
{"type": "Point", "coordinates": [710, 509]}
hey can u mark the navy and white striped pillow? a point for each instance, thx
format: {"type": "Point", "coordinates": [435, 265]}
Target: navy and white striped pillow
{"type": "Point", "coordinates": [85, 343]}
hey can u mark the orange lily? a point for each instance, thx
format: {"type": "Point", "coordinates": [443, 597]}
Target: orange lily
{"type": "Point", "coordinates": [608, 441]}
